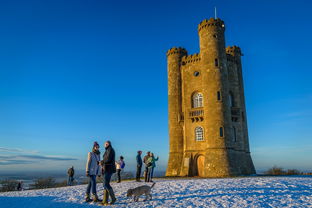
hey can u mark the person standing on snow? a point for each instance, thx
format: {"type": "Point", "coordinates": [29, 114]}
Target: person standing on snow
{"type": "Point", "coordinates": [93, 170]}
{"type": "Point", "coordinates": [139, 166]}
{"type": "Point", "coordinates": [70, 173]}
{"type": "Point", "coordinates": [108, 168]}
{"type": "Point", "coordinates": [145, 160]}
{"type": "Point", "coordinates": [20, 186]}
{"type": "Point", "coordinates": [152, 161]}
{"type": "Point", "coordinates": [120, 164]}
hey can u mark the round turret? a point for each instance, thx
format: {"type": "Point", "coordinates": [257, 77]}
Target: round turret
{"type": "Point", "coordinates": [179, 51]}
{"type": "Point", "coordinates": [174, 62]}
{"type": "Point", "coordinates": [211, 41]}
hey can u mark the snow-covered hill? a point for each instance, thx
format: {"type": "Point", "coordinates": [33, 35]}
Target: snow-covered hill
{"type": "Point", "coordinates": [227, 192]}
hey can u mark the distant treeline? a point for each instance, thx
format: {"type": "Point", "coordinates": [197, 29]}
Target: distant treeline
{"type": "Point", "coordinates": [275, 170]}
{"type": "Point", "coordinates": [50, 182]}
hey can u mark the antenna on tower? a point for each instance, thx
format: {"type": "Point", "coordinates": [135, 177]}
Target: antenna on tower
{"type": "Point", "coordinates": [215, 10]}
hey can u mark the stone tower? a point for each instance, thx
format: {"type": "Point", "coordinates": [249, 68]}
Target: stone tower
{"type": "Point", "coordinates": [207, 115]}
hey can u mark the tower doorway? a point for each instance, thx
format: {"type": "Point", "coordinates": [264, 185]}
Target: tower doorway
{"type": "Point", "coordinates": [200, 165]}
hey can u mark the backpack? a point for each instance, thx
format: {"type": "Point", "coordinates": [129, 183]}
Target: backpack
{"type": "Point", "coordinates": [149, 164]}
{"type": "Point", "coordinates": [122, 164]}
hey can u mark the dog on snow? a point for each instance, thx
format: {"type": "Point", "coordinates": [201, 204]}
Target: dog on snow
{"type": "Point", "coordinates": [138, 191]}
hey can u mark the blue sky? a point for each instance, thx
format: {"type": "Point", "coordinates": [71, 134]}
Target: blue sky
{"type": "Point", "coordinates": [72, 72]}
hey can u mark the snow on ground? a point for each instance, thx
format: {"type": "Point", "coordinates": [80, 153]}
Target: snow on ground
{"type": "Point", "coordinates": [225, 192]}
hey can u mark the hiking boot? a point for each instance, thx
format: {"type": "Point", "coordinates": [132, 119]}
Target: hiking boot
{"type": "Point", "coordinates": [112, 196]}
{"type": "Point", "coordinates": [105, 198]}
{"type": "Point", "coordinates": [95, 198]}
{"type": "Point", "coordinates": [87, 198]}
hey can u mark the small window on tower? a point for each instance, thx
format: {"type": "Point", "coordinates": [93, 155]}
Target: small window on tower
{"type": "Point", "coordinates": [199, 134]}
{"type": "Point", "coordinates": [216, 62]}
{"type": "Point", "coordinates": [221, 131]}
{"type": "Point", "coordinates": [234, 134]}
{"type": "Point", "coordinates": [219, 95]}
{"type": "Point", "coordinates": [215, 35]}
{"type": "Point", "coordinates": [196, 73]}
{"type": "Point", "coordinates": [231, 100]}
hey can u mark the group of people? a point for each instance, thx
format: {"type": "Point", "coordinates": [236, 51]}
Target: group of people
{"type": "Point", "coordinates": [96, 167]}
{"type": "Point", "coordinates": [149, 161]}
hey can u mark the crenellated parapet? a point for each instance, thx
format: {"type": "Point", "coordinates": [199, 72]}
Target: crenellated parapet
{"type": "Point", "coordinates": [234, 50]}
{"type": "Point", "coordinates": [233, 54]}
{"type": "Point", "coordinates": [175, 50]}
{"type": "Point", "coordinates": [211, 23]}
{"type": "Point", "coordinates": [191, 59]}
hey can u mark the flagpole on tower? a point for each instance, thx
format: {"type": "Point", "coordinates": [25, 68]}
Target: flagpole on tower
{"type": "Point", "coordinates": [215, 12]}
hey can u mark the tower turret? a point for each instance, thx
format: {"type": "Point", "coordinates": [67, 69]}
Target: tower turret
{"type": "Point", "coordinates": [211, 41]}
{"type": "Point", "coordinates": [217, 116]}
{"type": "Point", "coordinates": [174, 56]}
{"type": "Point", "coordinates": [235, 54]}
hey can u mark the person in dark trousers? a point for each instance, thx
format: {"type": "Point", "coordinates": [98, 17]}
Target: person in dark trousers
{"type": "Point", "coordinates": [145, 160]}
{"type": "Point", "coordinates": [151, 165]}
{"type": "Point", "coordinates": [70, 173]}
{"type": "Point", "coordinates": [108, 168]}
{"type": "Point", "coordinates": [93, 170]}
{"type": "Point", "coordinates": [120, 164]}
{"type": "Point", "coordinates": [139, 166]}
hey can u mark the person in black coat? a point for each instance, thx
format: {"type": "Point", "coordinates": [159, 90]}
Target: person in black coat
{"type": "Point", "coordinates": [108, 168]}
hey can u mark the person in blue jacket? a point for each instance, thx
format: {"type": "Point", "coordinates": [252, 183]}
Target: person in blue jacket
{"type": "Point", "coordinates": [139, 165]}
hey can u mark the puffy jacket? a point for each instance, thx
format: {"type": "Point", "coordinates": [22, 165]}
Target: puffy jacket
{"type": "Point", "coordinates": [108, 162]}
{"type": "Point", "coordinates": [119, 164]}
{"type": "Point", "coordinates": [93, 166]}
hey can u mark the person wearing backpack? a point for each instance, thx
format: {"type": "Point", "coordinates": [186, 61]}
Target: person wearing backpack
{"type": "Point", "coordinates": [120, 164]}
{"type": "Point", "coordinates": [147, 165]}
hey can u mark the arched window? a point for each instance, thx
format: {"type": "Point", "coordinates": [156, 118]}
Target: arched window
{"type": "Point", "coordinates": [197, 100]}
{"type": "Point", "coordinates": [231, 99]}
{"type": "Point", "coordinates": [199, 133]}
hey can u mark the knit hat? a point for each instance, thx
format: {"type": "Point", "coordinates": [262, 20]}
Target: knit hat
{"type": "Point", "coordinates": [96, 144]}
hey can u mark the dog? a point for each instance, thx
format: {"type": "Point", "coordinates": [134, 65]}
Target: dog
{"type": "Point", "coordinates": [138, 191]}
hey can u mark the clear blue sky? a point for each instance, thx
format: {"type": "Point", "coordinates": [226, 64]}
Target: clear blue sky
{"type": "Point", "coordinates": [72, 72]}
